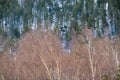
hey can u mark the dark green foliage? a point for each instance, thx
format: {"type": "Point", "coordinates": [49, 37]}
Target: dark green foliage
{"type": "Point", "coordinates": [91, 21]}
{"type": "Point", "coordinates": [16, 33]}
{"type": "Point", "coordinates": [105, 77]}
{"type": "Point", "coordinates": [70, 11]}
{"type": "Point", "coordinates": [99, 2]}
{"type": "Point", "coordinates": [118, 75]}
{"type": "Point", "coordinates": [75, 26]}
{"type": "Point", "coordinates": [26, 28]}
{"type": "Point", "coordinates": [68, 36]}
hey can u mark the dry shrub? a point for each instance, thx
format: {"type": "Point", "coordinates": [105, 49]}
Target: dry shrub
{"type": "Point", "coordinates": [6, 67]}
{"type": "Point", "coordinates": [27, 64]}
{"type": "Point", "coordinates": [40, 57]}
{"type": "Point", "coordinates": [36, 55]}
{"type": "Point", "coordinates": [103, 55]}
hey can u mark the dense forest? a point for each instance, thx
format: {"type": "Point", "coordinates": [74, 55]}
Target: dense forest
{"type": "Point", "coordinates": [18, 16]}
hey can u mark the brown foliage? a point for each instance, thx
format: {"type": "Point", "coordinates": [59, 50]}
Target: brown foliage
{"type": "Point", "coordinates": [40, 57]}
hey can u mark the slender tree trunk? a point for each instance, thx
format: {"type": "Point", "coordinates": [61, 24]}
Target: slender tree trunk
{"type": "Point", "coordinates": [91, 60]}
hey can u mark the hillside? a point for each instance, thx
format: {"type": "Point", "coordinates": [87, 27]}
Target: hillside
{"type": "Point", "coordinates": [59, 39]}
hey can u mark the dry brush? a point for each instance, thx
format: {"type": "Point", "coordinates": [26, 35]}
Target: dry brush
{"type": "Point", "coordinates": [39, 56]}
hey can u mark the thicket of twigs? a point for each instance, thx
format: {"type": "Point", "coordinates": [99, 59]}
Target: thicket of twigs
{"type": "Point", "coordinates": [39, 56]}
